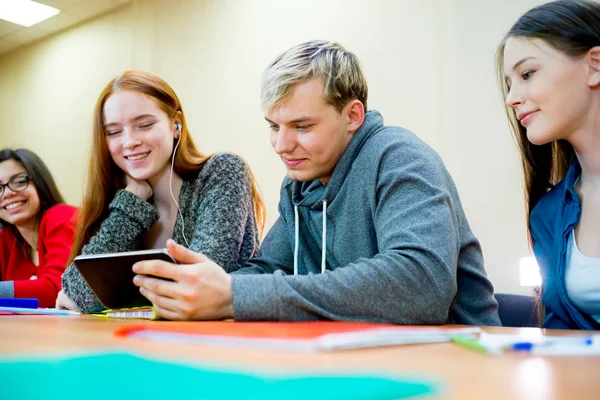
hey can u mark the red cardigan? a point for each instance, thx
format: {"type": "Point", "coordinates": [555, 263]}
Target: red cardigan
{"type": "Point", "coordinates": [55, 239]}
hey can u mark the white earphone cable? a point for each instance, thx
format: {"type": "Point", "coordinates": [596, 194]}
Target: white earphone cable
{"type": "Point", "coordinates": [173, 196]}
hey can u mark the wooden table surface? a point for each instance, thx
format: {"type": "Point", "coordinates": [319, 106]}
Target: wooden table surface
{"type": "Point", "coordinates": [465, 374]}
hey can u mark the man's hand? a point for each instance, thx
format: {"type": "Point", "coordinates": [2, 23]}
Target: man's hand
{"type": "Point", "coordinates": [201, 290]}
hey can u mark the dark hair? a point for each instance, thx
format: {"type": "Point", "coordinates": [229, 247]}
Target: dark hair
{"type": "Point", "coordinates": [572, 27]}
{"type": "Point", "coordinates": [41, 178]}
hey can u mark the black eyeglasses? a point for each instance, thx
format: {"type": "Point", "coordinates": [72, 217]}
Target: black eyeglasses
{"type": "Point", "coordinates": [16, 184]}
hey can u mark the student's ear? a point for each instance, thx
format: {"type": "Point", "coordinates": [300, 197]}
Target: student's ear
{"type": "Point", "coordinates": [355, 112]}
{"type": "Point", "coordinates": [178, 124]}
{"type": "Point", "coordinates": [594, 66]}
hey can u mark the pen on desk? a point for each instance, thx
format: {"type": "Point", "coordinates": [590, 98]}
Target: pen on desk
{"type": "Point", "coordinates": [469, 343]}
{"type": "Point", "coordinates": [554, 341]}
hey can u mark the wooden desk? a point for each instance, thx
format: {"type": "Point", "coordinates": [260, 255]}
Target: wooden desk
{"type": "Point", "coordinates": [466, 374]}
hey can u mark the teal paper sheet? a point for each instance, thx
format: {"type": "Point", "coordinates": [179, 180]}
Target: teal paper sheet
{"type": "Point", "coordinates": [116, 376]}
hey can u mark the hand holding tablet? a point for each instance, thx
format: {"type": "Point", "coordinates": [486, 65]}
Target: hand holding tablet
{"type": "Point", "coordinates": [111, 278]}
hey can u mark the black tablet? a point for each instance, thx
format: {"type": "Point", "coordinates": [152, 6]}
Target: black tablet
{"type": "Point", "coordinates": [111, 279]}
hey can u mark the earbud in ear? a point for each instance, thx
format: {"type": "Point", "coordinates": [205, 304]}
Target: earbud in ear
{"type": "Point", "coordinates": [178, 127]}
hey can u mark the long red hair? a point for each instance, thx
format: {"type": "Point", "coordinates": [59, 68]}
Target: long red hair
{"type": "Point", "coordinates": [105, 178]}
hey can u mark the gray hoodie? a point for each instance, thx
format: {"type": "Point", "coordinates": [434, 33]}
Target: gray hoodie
{"type": "Point", "coordinates": [386, 240]}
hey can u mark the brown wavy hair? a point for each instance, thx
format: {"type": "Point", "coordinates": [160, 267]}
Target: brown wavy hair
{"type": "Point", "coordinates": [105, 178]}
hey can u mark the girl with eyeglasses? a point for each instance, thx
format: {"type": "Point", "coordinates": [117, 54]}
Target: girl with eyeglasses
{"type": "Point", "coordinates": [36, 229]}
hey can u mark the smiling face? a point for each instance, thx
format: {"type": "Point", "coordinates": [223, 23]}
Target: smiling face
{"type": "Point", "coordinates": [309, 134]}
{"type": "Point", "coordinates": [19, 208]}
{"type": "Point", "coordinates": [139, 135]}
{"type": "Point", "coordinates": [549, 90]}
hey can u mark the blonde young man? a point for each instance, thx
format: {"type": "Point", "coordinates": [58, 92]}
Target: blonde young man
{"type": "Point", "coordinates": [370, 229]}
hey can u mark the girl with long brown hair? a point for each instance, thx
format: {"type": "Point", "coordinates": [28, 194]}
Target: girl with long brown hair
{"type": "Point", "coordinates": [147, 182]}
{"type": "Point", "coordinates": [549, 69]}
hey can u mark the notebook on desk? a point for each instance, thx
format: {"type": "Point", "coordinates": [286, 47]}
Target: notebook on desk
{"type": "Point", "coordinates": [35, 311]}
{"type": "Point", "coordinates": [148, 313]}
{"type": "Point", "coordinates": [295, 336]}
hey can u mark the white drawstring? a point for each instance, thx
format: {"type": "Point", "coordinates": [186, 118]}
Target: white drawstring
{"type": "Point", "coordinates": [297, 239]}
{"type": "Point", "coordinates": [324, 242]}
{"type": "Point", "coordinates": [297, 236]}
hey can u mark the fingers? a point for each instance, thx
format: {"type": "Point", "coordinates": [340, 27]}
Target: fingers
{"type": "Point", "coordinates": [141, 189]}
{"type": "Point", "coordinates": [131, 180]}
{"type": "Point", "coordinates": [57, 297]}
{"type": "Point", "coordinates": [166, 307]}
{"type": "Point", "coordinates": [58, 301]}
{"type": "Point", "coordinates": [183, 255]}
{"type": "Point", "coordinates": [159, 301]}
{"type": "Point", "coordinates": [158, 286]}
{"type": "Point", "coordinates": [159, 268]}
{"type": "Point", "coordinates": [63, 302]}
{"type": "Point", "coordinates": [168, 314]}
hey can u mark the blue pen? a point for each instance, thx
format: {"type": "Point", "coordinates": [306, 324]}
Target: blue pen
{"type": "Point", "coordinates": [21, 303]}
{"type": "Point", "coordinates": [522, 346]}
{"type": "Point", "coordinates": [554, 341]}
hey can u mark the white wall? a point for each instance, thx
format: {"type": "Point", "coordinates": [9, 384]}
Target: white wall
{"type": "Point", "coordinates": [429, 64]}
{"type": "Point", "coordinates": [48, 91]}
{"type": "Point", "coordinates": [477, 145]}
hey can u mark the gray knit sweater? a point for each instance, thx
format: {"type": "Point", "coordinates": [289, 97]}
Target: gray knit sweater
{"type": "Point", "coordinates": [218, 211]}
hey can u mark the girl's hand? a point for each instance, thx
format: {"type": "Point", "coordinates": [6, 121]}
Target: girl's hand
{"type": "Point", "coordinates": [141, 189]}
{"type": "Point", "coordinates": [63, 302]}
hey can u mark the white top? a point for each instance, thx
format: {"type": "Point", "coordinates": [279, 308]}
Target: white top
{"type": "Point", "coordinates": [583, 279]}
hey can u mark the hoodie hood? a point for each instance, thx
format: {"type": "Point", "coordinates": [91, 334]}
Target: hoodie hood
{"type": "Point", "coordinates": [311, 194]}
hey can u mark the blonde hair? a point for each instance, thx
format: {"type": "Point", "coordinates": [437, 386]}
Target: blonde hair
{"type": "Point", "coordinates": [340, 70]}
